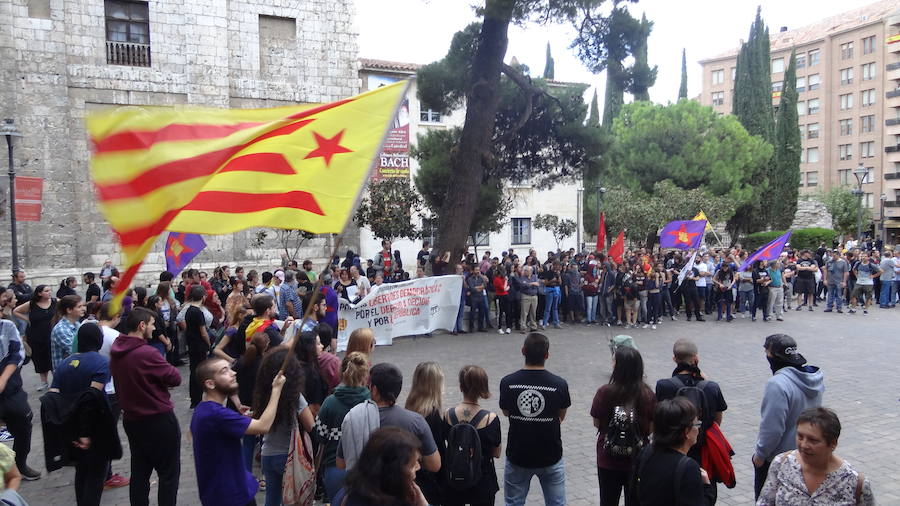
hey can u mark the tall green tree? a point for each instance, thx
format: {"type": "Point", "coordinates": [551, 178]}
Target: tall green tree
{"type": "Point", "coordinates": [549, 66]}
{"type": "Point", "coordinates": [682, 90]}
{"type": "Point", "coordinates": [392, 209]}
{"type": "Point", "coordinates": [470, 74]}
{"type": "Point", "coordinates": [753, 108]}
{"type": "Point", "coordinates": [784, 180]}
{"type": "Point", "coordinates": [594, 118]}
{"type": "Point", "coordinates": [844, 206]}
{"type": "Point", "coordinates": [642, 76]}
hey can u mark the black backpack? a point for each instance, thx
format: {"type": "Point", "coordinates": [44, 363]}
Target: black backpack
{"type": "Point", "coordinates": [697, 396]}
{"type": "Point", "coordinates": [623, 436]}
{"type": "Point", "coordinates": [463, 457]}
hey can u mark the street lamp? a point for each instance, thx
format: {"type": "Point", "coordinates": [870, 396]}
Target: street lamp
{"type": "Point", "coordinates": [600, 189]}
{"type": "Point", "coordinates": [883, 229]}
{"type": "Point", "coordinates": [9, 130]}
{"type": "Point", "coordinates": [860, 173]}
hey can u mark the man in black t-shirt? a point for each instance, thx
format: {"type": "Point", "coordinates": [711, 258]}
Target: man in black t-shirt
{"type": "Point", "coordinates": [535, 402]}
{"type": "Point", "coordinates": [92, 293]}
{"type": "Point", "coordinates": [805, 285]}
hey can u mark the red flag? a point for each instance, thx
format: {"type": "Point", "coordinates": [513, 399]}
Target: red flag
{"type": "Point", "coordinates": [601, 233]}
{"type": "Point", "coordinates": [617, 250]}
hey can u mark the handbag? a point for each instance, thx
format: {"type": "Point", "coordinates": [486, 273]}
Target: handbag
{"type": "Point", "coordinates": [299, 484]}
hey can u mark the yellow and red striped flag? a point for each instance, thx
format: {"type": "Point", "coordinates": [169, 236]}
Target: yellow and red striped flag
{"type": "Point", "coordinates": [217, 171]}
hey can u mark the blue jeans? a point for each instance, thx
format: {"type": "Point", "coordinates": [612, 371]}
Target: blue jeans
{"type": "Point", "coordinates": [835, 297]}
{"type": "Point", "coordinates": [273, 471]}
{"type": "Point", "coordinates": [884, 298]}
{"type": "Point", "coordinates": [248, 445]}
{"type": "Point", "coordinates": [746, 300]}
{"type": "Point", "coordinates": [517, 481]}
{"type": "Point", "coordinates": [703, 293]}
{"type": "Point", "coordinates": [591, 308]}
{"type": "Point", "coordinates": [896, 290]}
{"type": "Point", "coordinates": [334, 480]}
{"type": "Point", "coordinates": [551, 306]}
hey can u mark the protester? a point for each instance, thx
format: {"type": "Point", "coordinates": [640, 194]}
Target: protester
{"type": "Point", "coordinates": [329, 363]}
{"type": "Point", "coordinates": [14, 408]}
{"type": "Point", "coordinates": [761, 282]}
{"type": "Point", "coordinates": [108, 323]}
{"type": "Point", "coordinates": [196, 336]}
{"type": "Point", "coordinates": [307, 352]}
{"type": "Point", "coordinates": [477, 296]}
{"type": "Point", "coordinates": [664, 475]}
{"type": "Point", "coordinates": [67, 287]}
{"type": "Point", "coordinates": [500, 282]}
{"type": "Point", "coordinates": [425, 398]}
{"type": "Point", "coordinates": [535, 401]}
{"type": "Point", "coordinates": [143, 379]}
{"type": "Point", "coordinates": [624, 405]}
{"type": "Point", "coordinates": [886, 294]}
{"type": "Point", "coordinates": [69, 312]}
{"type": "Point", "coordinates": [528, 291]}
{"type": "Point", "coordinates": [805, 284]}
{"type": "Point", "coordinates": [363, 341]}
{"type": "Point", "coordinates": [865, 273]}
{"type": "Point", "coordinates": [813, 473]}
{"type": "Point", "coordinates": [776, 290]}
{"type": "Point", "coordinates": [793, 388]}
{"type": "Point", "coordinates": [39, 313]}
{"type": "Point", "coordinates": [217, 431]}
{"type": "Point", "coordinates": [20, 288]}
{"type": "Point", "coordinates": [837, 271]}
{"type": "Point", "coordinates": [551, 281]}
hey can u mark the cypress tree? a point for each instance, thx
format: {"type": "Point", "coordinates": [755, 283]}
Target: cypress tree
{"type": "Point", "coordinates": [682, 90]}
{"type": "Point", "coordinates": [549, 65]}
{"type": "Point", "coordinates": [642, 76]}
{"type": "Point", "coordinates": [785, 177]}
{"type": "Point", "coordinates": [594, 118]}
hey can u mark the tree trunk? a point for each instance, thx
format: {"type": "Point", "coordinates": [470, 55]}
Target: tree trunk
{"type": "Point", "coordinates": [470, 157]}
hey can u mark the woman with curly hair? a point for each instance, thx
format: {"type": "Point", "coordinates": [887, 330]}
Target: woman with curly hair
{"type": "Point", "coordinates": [385, 473]}
{"type": "Point", "coordinates": [292, 408]}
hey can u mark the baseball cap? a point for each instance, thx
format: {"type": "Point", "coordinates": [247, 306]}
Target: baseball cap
{"type": "Point", "coordinates": [784, 347]}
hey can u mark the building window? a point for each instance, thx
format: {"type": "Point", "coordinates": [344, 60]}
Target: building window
{"type": "Point", "coordinates": [733, 73]}
{"type": "Point", "coordinates": [801, 108]}
{"type": "Point", "coordinates": [802, 158]}
{"type": "Point", "coordinates": [801, 84]}
{"type": "Point", "coordinates": [813, 82]}
{"type": "Point", "coordinates": [429, 230]}
{"type": "Point", "coordinates": [867, 149]}
{"type": "Point", "coordinates": [869, 200]}
{"type": "Point", "coordinates": [847, 76]}
{"type": "Point", "coordinates": [801, 61]}
{"type": "Point", "coordinates": [812, 155]}
{"type": "Point", "coordinates": [870, 175]}
{"type": "Point", "coordinates": [812, 131]}
{"type": "Point", "coordinates": [846, 126]}
{"type": "Point", "coordinates": [813, 57]}
{"type": "Point", "coordinates": [718, 76]}
{"type": "Point", "coordinates": [777, 65]}
{"type": "Point", "coordinates": [481, 239]}
{"type": "Point", "coordinates": [521, 231]}
{"type": "Point", "coordinates": [812, 179]}
{"type": "Point", "coordinates": [867, 97]}
{"type": "Point", "coordinates": [429, 116]}
{"type": "Point", "coordinates": [127, 33]}
{"type": "Point", "coordinates": [277, 45]}
{"type": "Point", "coordinates": [777, 85]}
{"type": "Point", "coordinates": [802, 131]}
{"type": "Point", "coordinates": [846, 101]}
{"type": "Point", "coordinates": [867, 123]}
{"type": "Point", "coordinates": [718, 97]}
{"type": "Point", "coordinates": [847, 51]}
{"type": "Point", "coordinates": [868, 44]}
{"type": "Point", "coordinates": [846, 151]}
{"type": "Point", "coordinates": [868, 71]}
{"type": "Point", "coordinates": [813, 106]}
{"type": "Point", "coordinates": [844, 176]}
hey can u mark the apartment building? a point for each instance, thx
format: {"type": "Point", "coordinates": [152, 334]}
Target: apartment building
{"type": "Point", "coordinates": [848, 79]}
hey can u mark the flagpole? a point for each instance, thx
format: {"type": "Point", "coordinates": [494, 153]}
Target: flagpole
{"type": "Point", "coordinates": [317, 293]}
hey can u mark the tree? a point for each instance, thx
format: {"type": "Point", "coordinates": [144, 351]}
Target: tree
{"type": "Point", "coordinates": [642, 76]}
{"type": "Point", "coordinates": [784, 181]}
{"type": "Point", "coordinates": [549, 65]}
{"type": "Point", "coordinates": [753, 108]}
{"type": "Point", "coordinates": [390, 209]}
{"type": "Point", "coordinates": [470, 74]}
{"type": "Point", "coordinates": [594, 118]}
{"type": "Point", "coordinates": [290, 240]}
{"type": "Point", "coordinates": [682, 90]}
{"type": "Point", "coordinates": [844, 206]}
{"type": "Point", "coordinates": [686, 143]}
{"type": "Point", "coordinates": [559, 228]}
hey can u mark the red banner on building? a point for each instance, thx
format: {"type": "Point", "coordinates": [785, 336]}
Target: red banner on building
{"type": "Point", "coordinates": [394, 159]}
{"type": "Point", "coordinates": [29, 192]}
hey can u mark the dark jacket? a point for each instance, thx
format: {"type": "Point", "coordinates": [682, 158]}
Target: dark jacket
{"type": "Point", "coordinates": [143, 378]}
{"type": "Point", "coordinates": [65, 418]}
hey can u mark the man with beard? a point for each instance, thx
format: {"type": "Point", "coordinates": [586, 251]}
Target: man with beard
{"type": "Point", "coordinates": [222, 478]}
{"type": "Point", "coordinates": [793, 388]}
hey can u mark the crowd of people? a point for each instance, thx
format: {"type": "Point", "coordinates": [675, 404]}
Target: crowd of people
{"type": "Point", "coordinates": [265, 380]}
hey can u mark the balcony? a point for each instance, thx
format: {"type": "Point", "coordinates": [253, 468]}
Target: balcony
{"type": "Point", "coordinates": [127, 53]}
{"type": "Point", "coordinates": [892, 71]}
{"type": "Point", "coordinates": [895, 175]}
{"type": "Point", "coordinates": [892, 122]}
{"type": "Point", "coordinates": [891, 203]}
{"type": "Point", "coordinates": [892, 149]}
{"type": "Point", "coordinates": [892, 93]}
{"type": "Point", "coordinates": [892, 66]}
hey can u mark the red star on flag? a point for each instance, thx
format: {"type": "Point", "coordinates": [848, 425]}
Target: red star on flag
{"type": "Point", "coordinates": [683, 236]}
{"type": "Point", "coordinates": [177, 248]}
{"type": "Point", "coordinates": [327, 148]}
{"type": "Point", "coordinates": [767, 251]}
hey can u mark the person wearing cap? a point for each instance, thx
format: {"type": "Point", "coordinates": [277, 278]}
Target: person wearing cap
{"type": "Point", "coordinates": [793, 388]}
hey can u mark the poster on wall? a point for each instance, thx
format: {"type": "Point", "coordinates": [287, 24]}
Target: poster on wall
{"type": "Point", "coordinates": [394, 159]}
{"type": "Point", "coordinates": [28, 198]}
{"type": "Point", "coordinates": [413, 307]}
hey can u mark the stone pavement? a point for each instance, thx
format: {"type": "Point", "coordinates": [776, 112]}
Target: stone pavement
{"type": "Point", "coordinates": [857, 353]}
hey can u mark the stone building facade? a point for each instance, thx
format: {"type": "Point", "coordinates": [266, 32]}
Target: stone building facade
{"type": "Point", "coordinates": [61, 59]}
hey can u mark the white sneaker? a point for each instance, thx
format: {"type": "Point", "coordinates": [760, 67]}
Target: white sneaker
{"type": "Point", "coordinates": [44, 386]}
{"type": "Point", "coordinates": [508, 330]}
{"type": "Point", "coordinates": [501, 332]}
{"type": "Point", "coordinates": [653, 326]}
{"type": "Point", "coordinates": [645, 326]}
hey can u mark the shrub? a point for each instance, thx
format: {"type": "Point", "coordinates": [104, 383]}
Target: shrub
{"type": "Point", "coordinates": [802, 238]}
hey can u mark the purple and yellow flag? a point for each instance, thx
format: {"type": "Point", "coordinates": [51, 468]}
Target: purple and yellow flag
{"type": "Point", "coordinates": [181, 248]}
{"type": "Point", "coordinates": [770, 251]}
{"type": "Point", "coordinates": [682, 234]}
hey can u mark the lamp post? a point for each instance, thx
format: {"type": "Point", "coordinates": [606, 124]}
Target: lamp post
{"type": "Point", "coordinates": [860, 173]}
{"type": "Point", "coordinates": [9, 130]}
{"type": "Point", "coordinates": [883, 229]}
{"type": "Point", "coordinates": [600, 189]}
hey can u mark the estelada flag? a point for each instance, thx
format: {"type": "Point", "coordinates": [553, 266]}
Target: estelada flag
{"type": "Point", "coordinates": [701, 216]}
{"type": "Point", "coordinates": [181, 248]}
{"type": "Point", "coordinates": [217, 171]}
{"type": "Point", "coordinates": [601, 233]}
{"type": "Point", "coordinates": [617, 250]}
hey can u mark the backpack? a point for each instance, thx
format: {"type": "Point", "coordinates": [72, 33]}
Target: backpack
{"type": "Point", "coordinates": [623, 438]}
{"type": "Point", "coordinates": [697, 396]}
{"type": "Point", "coordinates": [359, 423]}
{"type": "Point", "coordinates": [463, 457]}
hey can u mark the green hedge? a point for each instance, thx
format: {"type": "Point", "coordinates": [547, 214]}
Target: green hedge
{"type": "Point", "coordinates": [802, 238]}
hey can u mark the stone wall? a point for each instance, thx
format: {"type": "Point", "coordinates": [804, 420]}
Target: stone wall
{"type": "Point", "coordinates": [811, 213]}
{"type": "Point", "coordinates": [204, 52]}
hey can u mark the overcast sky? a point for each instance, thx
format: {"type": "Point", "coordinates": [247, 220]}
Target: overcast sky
{"type": "Point", "coordinates": [419, 31]}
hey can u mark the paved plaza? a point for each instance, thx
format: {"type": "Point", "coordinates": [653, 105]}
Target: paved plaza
{"type": "Point", "coordinates": [857, 353]}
